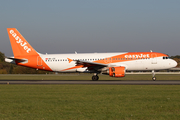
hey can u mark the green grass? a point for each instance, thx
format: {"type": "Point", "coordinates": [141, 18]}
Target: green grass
{"type": "Point", "coordinates": [87, 77]}
{"type": "Point", "coordinates": [98, 102]}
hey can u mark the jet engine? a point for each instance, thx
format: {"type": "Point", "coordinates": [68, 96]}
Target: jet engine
{"type": "Point", "coordinates": [117, 71]}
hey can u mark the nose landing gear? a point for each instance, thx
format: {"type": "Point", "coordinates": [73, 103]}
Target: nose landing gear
{"type": "Point", "coordinates": [153, 74]}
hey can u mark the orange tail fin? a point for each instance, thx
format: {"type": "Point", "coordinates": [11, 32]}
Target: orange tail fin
{"type": "Point", "coordinates": [19, 44]}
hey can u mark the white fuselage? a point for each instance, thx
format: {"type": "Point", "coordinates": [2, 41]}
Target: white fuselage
{"type": "Point", "coordinates": [60, 62]}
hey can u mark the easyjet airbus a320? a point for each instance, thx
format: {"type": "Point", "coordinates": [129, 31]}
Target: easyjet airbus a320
{"type": "Point", "coordinates": [112, 64]}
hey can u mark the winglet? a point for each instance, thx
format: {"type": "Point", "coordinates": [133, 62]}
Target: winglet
{"type": "Point", "coordinates": [70, 60]}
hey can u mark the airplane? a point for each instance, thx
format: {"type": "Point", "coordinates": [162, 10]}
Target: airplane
{"type": "Point", "coordinates": [112, 64]}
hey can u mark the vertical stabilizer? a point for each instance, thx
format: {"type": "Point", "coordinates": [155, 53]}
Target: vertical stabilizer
{"type": "Point", "coordinates": [19, 44]}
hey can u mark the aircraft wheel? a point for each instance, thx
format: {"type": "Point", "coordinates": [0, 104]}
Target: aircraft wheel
{"type": "Point", "coordinates": [113, 74]}
{"type": "Point", "coordinates": [154, 78]}
{"type": "Point", "coordinates": [95, 77]}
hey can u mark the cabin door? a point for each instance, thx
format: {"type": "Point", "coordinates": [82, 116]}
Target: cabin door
{"type": "Point", "coordinates": [39, 61]}
{"type": "Point", "coordinates": [154, 58]}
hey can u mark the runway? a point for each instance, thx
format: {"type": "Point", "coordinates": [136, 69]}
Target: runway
{"type": "Point", "coordinates": [88, 82]}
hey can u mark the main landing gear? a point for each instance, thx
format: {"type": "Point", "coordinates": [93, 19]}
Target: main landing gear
{"type": "Point", "coordinates": [153, 74]}
{"type": "Point", "coordinates": [95, 77]}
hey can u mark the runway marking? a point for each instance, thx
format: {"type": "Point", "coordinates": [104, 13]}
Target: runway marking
{"type": "Point", "coordinates": [85, 82]}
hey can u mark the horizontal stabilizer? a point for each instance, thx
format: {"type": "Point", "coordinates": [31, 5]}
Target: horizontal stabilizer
{"type": "Point", "coordinates": [14, 60]}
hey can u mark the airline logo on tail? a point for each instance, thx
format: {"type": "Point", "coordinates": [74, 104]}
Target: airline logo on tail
{"type": "Point", "coordinates": [19, 41]}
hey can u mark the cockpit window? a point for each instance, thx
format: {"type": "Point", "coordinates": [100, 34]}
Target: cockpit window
{"type": "Point", "coordinates": [166, 58]}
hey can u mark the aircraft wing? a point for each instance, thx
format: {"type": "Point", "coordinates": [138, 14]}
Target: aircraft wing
{"type": "Point", "coordinates": [90, 65]}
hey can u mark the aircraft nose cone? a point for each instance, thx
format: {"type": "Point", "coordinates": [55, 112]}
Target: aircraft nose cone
{"type": "Point", "coordinates": [174, 63]}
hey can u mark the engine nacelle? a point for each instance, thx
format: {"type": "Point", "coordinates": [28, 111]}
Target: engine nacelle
{"type": "Point", "coordinates": [117, 71]}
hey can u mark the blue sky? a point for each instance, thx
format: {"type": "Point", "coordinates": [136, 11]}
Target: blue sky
{"type": "Point", "coordinates": [65, 26]}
